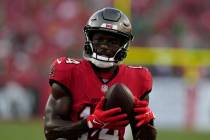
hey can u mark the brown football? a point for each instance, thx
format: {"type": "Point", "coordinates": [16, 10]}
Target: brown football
{"type": "Point", "coordinates": [119, 95]}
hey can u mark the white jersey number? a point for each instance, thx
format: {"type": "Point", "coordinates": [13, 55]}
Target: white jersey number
{"type": "Point", "coordinates": [71, 61]}
{"type": "Point", "coordinates": [102, 132]}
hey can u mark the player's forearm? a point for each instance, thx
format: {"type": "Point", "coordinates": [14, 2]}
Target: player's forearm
{"type": "Point", "coordinates": [145, 132]}
{"type": "Point", "coordinates": [65, 129]}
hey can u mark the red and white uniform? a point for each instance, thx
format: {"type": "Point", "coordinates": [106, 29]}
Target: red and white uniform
{"type": "Point", "coordinates": [86, 88]}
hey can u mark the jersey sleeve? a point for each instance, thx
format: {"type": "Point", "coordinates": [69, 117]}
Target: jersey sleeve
{"type": "Point", "coordinates": [148, 82]}
{"type": "Point", "coordinates": [141, 79]}
{"type": "Point", "coordinates": [60, 72]}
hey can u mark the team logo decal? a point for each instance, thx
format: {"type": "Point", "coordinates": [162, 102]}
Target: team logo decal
{"type": "Point", "coordinates": [109, 26]}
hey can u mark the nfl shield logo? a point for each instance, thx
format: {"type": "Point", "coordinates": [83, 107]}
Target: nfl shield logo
{"type": "Point", "coordinates": [104, 88]}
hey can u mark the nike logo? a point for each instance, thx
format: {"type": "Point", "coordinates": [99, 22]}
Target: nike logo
{"type": "Point", "coordinates": [96, 122]}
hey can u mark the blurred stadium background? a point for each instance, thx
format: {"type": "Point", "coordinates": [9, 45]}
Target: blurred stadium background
{"type": "Point", "coordinates": [172, 38]}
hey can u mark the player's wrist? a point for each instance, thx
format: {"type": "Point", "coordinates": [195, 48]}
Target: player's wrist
{"type": "Point", "coordinates": [89, 121]}
{"type": "Point", "coordinates": [84, 124]}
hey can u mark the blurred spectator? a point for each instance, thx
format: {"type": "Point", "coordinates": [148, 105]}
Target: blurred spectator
{"type": "Point", "coordinates": [15, 102]}
{"type": "Point", "coordinates": [190, 15]}
{"type": "Point", "coordinates": [32, 34]}
{"type": "Point", "coordinates": [60, 23]}
{"type": "Point", "coordinates": [93, 5]}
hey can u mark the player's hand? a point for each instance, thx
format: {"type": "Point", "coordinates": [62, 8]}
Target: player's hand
{"type": "Point", "coordinates": [111, 118]}
{"type": "Point", "coordinates": [143, 114]}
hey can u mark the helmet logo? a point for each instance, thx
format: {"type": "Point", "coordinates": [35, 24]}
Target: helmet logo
{"type": "Point", "coordinates": [109, 26]}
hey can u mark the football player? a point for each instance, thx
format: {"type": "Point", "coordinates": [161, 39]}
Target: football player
{"type": "Point", "coordinates": [75, 107]}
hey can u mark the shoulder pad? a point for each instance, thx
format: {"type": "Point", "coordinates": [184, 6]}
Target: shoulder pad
{"type": "Point", "coordinates": [143, 71]}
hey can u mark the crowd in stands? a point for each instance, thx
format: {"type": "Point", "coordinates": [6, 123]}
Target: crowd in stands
{"type": "Point", "coordinates": [34, 32]}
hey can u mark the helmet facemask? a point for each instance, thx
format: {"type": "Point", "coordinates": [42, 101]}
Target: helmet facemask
{"type": "Point", "coordinates": [106, 52]}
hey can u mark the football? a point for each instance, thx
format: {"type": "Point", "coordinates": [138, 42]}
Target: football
{"type": "Point", "coordinates": [119, 95]}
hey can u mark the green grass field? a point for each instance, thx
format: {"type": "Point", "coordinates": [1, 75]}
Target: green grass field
{"type": "Point", "coordinates": [33, 130]}
{"type": "Point", "coordinates": [21, 130]}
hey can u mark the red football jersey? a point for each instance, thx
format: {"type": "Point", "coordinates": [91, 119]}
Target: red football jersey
{"type": "Point", "coordinates": [86, 89]}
